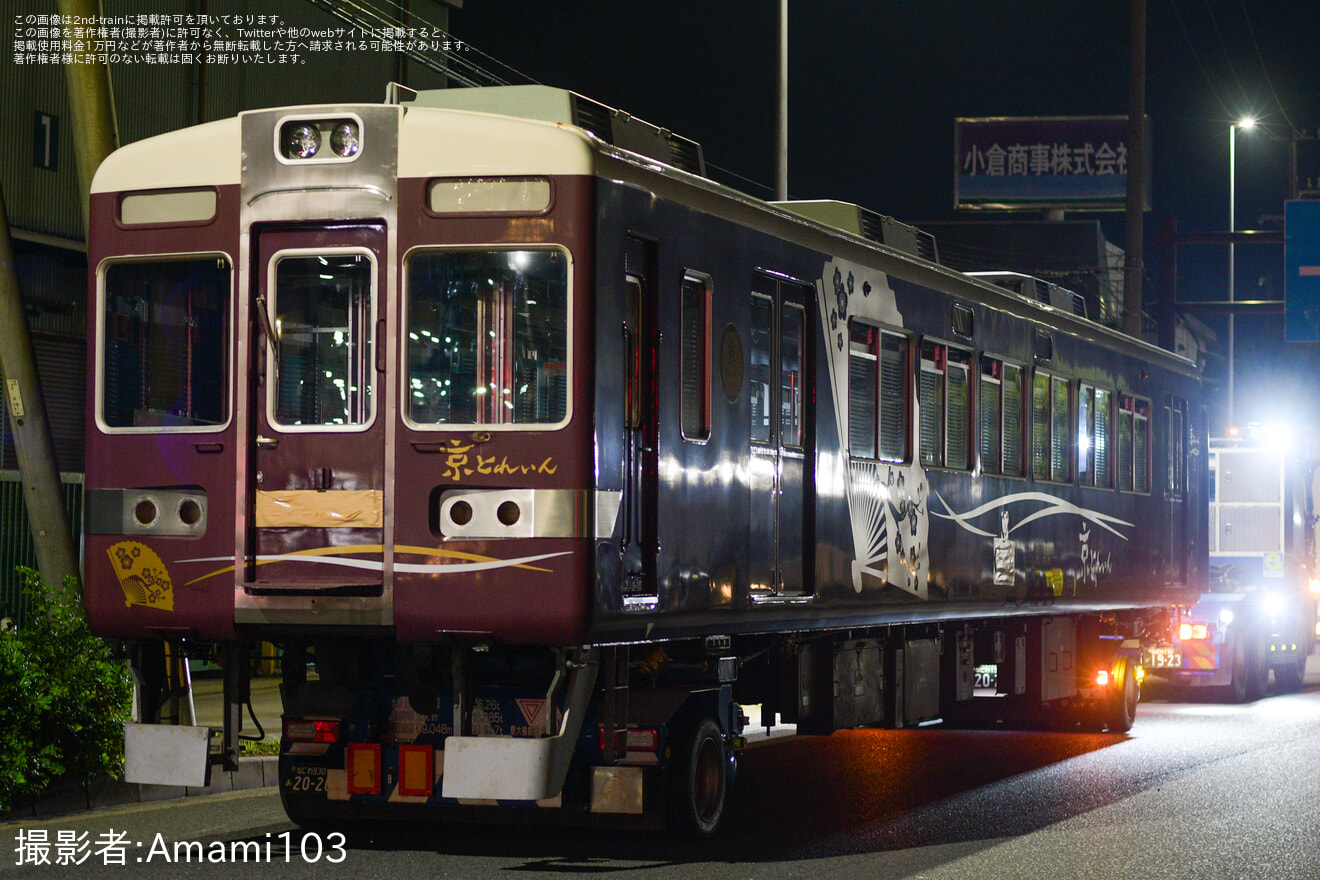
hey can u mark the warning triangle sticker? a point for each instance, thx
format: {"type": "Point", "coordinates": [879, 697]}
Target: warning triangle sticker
{"type": "Point", "coordinates": [533, 711]}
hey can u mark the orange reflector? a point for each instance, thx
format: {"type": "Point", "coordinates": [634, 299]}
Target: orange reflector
{"type": "Point", "coordinates": [416, 770]}
{"type": "Point", "coordinates": [362, 766]}
{"type": "Point", "coordinates": [1102, 678]}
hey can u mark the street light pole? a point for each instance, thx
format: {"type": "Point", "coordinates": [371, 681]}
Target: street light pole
{"type": "Point", "coordinates": [1245, 123]}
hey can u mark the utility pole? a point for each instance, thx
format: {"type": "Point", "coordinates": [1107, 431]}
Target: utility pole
{"type": "Point", "coordinates": [781, 123]}
{"type": "Point", "coordinates": [91, 106]}
{"type": "Point", "coordinates": [1133, 270]}
{"type": "Point", "coordinates": [43, 494]}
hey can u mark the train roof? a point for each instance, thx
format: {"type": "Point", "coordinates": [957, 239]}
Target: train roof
{"type": "Point", "coordinates": [507, 130]}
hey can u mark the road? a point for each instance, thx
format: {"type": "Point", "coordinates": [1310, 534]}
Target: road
{"type": "Point", "coordinates": [1201, 790]}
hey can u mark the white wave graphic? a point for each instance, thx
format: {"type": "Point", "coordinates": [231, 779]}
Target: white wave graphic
{"type": "Point", "coordinates": [1053, 507]}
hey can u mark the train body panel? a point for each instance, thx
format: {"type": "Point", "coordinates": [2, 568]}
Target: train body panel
{"type": "Point", "coordinates": [471, 408]}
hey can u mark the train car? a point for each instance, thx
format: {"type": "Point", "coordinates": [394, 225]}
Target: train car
{"type": "Point", "coordinates": [538, 454]}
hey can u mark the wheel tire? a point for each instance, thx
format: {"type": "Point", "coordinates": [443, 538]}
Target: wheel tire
{"type": "Point", "coordinates": [307, 820]}
{"type": "Point", "coordinates": [1289, 676]}
{"type": "Point", "coordinates": [1122, 709]}
{"type": "Point", "coordinates": [700, 779]}
{"type": "Point", "coordinates": [1239, 688]}
{"type": "Point", "coordinates": [1258, 666]}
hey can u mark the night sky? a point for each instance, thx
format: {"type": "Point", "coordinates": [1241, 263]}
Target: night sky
{"type": "Point", "coordinates": [875, 89]}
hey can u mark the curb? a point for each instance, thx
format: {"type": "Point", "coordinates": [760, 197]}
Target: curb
{"type": "Point", "coordinates": [254, 772]}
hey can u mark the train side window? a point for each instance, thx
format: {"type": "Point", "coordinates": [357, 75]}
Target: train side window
{"type": "Point", "coordinates": [487, 337]}
{"type": "Point", "coordinates": [992, 415]}
{"type": "Point", "coordinates": [758, 374]}
{"type": "Point", "coordinates": [958, 412]}
{"type": "Point", "coordinates": [792, 329]}
{"type": "Point", "coordinates": [164, 360]}
{"type": "Point", "coordinates": [895, 411]}
{"type": "Point", "coordinates": [1051, 425]}
{"type": "Point", "coordinates": [945, 406]}
{"type": "Point", "coordinates": [1176, 459]}
{"type": "Point", "coordinates": [877, 393]}
{"type": "Point", "coordinates": [863, 389]}
{"type": "Point", "coordinates": [1133, 444]}
{"type": "Point", "coordinates": [632, 403]}
{"type": "Point", "coordinates": [931, 383]}
{"type": "Point", "coordinates": [694, 372]}
{"type": "Point", "coordinates": [1094, 448]}
{"type": "Point", "coordinates": [1013, 412]}
{"type": "Point", "coordinates": [1001, 417]}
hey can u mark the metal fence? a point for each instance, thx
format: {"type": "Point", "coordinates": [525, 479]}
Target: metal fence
{"type": "Point", "coordinates": [16, 547]}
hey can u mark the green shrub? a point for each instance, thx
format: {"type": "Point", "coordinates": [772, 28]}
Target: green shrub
{"type": "Point", "coordinates": [63, 702]}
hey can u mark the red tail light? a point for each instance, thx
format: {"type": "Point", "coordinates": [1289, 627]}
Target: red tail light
{"type": "Point", "coordinates": [634, 739]}
{"type": "Point", "coordinates": [311, 730]}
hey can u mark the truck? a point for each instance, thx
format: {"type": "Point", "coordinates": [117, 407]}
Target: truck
{"type": "Point", "coordinates": [1259, 614]}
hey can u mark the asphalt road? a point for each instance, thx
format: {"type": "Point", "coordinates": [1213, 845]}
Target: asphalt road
{"type": "Point", "coordinates": [1204, 790]}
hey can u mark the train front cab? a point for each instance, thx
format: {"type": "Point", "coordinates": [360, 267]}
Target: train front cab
{"type": "Point", "coordinates": [333, 384]}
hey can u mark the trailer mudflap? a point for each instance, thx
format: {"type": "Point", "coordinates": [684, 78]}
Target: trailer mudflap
{"type": "Point", "coordinates": [167, 754]}
{"type": "Point", "coordinates": [516, 768]}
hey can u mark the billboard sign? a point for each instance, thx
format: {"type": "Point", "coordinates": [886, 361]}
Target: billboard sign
{"type": "Point", "coordinates": [1301, 261]}
{"type": "Point", "coordinates": [1034, 163]}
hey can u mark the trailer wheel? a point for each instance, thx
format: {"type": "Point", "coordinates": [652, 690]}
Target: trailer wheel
{"type": "Point", "coordinates": [1123, 697]}
{"type": "Point", "coordinates": [1251, 671]}
{"type": "Point", "coordinates": [1259, 666]}
{"type": "Point", "coordinates": [1237, 682]}
{"type": "Point", "coordinates": [307, 820]}
{"type": "Point", "coordinates": [699, 782]}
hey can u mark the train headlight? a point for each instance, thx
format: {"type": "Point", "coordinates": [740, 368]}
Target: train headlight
{"type": "Point", "coordinates": [300, 140]}
{"type": "Point", "coordinates": [334, 139]}
{"type": "Point", "coordinates": [345, 140]}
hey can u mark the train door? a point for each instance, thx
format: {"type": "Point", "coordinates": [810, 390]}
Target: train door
{"type": "Point", "coordinates": [781, 437]}
{"type": "Point", "coordinates": [315, 496]}
{"type": "Point", "coordinates": [641, 440]}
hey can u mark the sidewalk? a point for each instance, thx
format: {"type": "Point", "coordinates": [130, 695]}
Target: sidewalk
{"type": "Point", "coordinates": [208, 700]}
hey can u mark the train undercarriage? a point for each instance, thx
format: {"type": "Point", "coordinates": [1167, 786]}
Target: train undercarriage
{"type": "Point", "coordinates": [650, 734]}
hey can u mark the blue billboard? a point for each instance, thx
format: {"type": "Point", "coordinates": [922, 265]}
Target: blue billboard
{"type": "Point", "coordinates": [1007, 163]}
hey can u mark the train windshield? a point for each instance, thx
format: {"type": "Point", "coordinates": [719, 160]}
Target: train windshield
{"type": "Point", "coordinates": [488, 337]}
{"type": "Point", "coordinates": [165, 323]}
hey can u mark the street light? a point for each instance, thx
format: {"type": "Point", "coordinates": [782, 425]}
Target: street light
{"type": "Point", "coordinates": [1246, 123]}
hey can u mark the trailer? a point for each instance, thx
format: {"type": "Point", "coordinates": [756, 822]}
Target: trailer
{"type": "Point", "coordinates": [537, 455]}
{"type": "Point", "coordinates": [1259, 614]}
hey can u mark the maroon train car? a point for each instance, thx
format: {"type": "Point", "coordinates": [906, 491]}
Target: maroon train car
{"type": "Point", "coordinates": [537, 454]}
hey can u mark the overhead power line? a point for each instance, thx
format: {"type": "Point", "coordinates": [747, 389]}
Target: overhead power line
{"type": "Point", "coordinates": [470, 67]}
{"type": "Point", "coordinates": [1266, 73]}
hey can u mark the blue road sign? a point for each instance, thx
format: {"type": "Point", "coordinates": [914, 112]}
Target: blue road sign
{"type": "Point", "coordinates": [1301, 259]}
